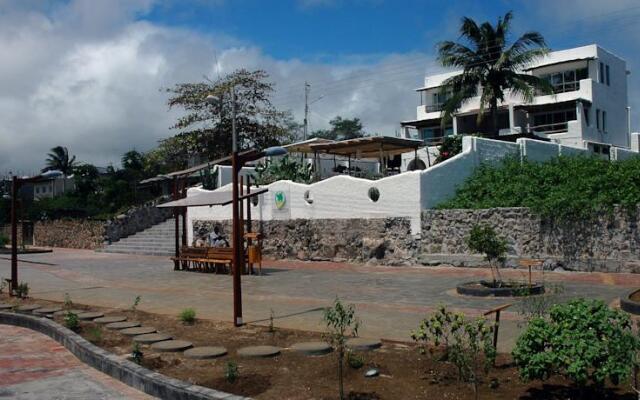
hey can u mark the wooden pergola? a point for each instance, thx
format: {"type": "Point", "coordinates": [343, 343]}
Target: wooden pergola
{"type": "Point", "coordinates": [373, 147]}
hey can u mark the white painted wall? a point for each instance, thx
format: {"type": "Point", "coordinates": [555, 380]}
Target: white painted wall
{"type": "Point", "coordinates": [403, 195]}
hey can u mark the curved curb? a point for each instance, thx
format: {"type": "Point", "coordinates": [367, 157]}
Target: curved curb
{"type": "Point", "coordinates": [467, 290]}
{"type": "Point", "coordinates": [134, 375]}
{"type": "Point", "coordinates": [628, 305]}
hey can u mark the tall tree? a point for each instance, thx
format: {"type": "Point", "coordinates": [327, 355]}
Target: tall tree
{"type": "Point", "coordinates": [206, 129]}
{"type": "Point", "coordinates": [342, 129]}
{"type": "Point", "coordinates": [58, 160]}
{"type": "Point", "coordinates": [489, 61]}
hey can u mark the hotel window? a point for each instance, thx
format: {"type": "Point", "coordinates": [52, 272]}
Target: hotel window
{"type": "Point", "coordinates": [604, 121]}
{"type": "Point", "coordinates": [601, 73]}
{"type": "Point", "coordinates": [598, 119]}
{"type": "Point", "coordinates": [607, 75]}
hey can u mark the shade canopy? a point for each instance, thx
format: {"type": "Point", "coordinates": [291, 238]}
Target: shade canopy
{"type": "Point", "coordinates": [369, 147]}
{"type": "Point", "coordinates": [216, 198]}
{"type": "Point", "coordinates": [305, 145]}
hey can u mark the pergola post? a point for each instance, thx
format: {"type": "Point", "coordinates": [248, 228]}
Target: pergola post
{"type": "Point", "coordinates": [176, 263]}
{"type": "Point", "coordinates": [184, 213]}
{"type": "Point", "coordinates": [14, 234]}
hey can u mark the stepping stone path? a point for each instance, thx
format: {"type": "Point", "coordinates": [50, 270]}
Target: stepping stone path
{"type": "Point", "coordinates": [109, 320]}
{"type": "Point", "coordinates": [28, 307]}
{"type": "Point", "coordinates": [150, 338]}
{"type": "Point", "coordinates": [122, 325]}
{"type": "Point", "coordinates": [258, 351]}
{"type": "Point", "coordinates": [312, 348]}
{"type": "Point", "coordinates": [141, 330]}
{"type": "Point", "coordinates": [363, 344]}
{"type": "Point", "coordinates": [86, 316]}
{"type": "Point", "coordinates": [6, 306]}
{"type": "Point", "coordinates": [171, 346]}
{"type": "Point", "coordinates": [206, 352]}
{"type": "Point", "coordinates": [47, 310]}
{"type": "Point", "coordinates": [64, 312]}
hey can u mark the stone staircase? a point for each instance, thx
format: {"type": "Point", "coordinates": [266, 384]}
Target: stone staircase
{"type": "Point", "coordinates": [159, 240]}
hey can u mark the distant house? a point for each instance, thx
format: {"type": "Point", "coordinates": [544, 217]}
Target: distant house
{"type": "Point", "coordinates": [588, 109]}
{"type": "Point", "coordinates": [52, 187]}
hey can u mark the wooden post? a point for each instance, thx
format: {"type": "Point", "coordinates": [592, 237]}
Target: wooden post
{"type": "Point", "coordinates": [176, 263]}
{"type": "Point", "coordinates": [496, 327]}
{"type": "Point", "coordinates": [184, 213]}
{"type": "Point", "coordinates": [14, 235]}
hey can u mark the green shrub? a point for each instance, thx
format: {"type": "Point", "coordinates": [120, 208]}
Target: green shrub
{"type": "Point", "coordinates": [71, 321]}
{"type": "Point", "coordinates": [136, 353]}
{"type": "Point", "coordinates": [451, 146]}
{"type": "Point", "coordinates": [188, 316]}
{"type": "Point", "coordinates": [284, 169]}
{"type": "Point", "coordinates": [485, 240]}
{"type": "Point", "coordinates": [136, 303]}
{"type": "Point", "coordinates": [582, 340]}
{"type": "Point", "coordinates": [231, 372]}
{"type": "Point", "coordinates": [437, 330]}
{"type": "Point", "coordinates": [562, 188]}
{"type": "Point", "coordinates": [22, 290]}
{"type": "Point", "coordinates": [4, 240]}
{"type": "Point", "coordinates": [355, 361]}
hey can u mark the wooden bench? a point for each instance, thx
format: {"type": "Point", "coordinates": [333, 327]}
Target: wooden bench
{"type": "Point", "coordinates": [204, 259]}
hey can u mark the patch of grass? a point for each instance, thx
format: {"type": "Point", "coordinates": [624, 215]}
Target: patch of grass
{"type": "Point", "coordinates": [95, 334]}
{"type": "Point", "coordinates": [188, 316]}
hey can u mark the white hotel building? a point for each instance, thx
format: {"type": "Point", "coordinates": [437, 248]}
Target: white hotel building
{"type": "Point", "coordinates": [588, 109]}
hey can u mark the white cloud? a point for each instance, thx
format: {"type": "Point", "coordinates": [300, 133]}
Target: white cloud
{"type": "Point", "coordinates": [88, 76]}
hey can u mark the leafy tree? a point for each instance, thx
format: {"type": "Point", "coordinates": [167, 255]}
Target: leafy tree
{"type": "Point", "coordinates": [284, 169]}
{"type": "Point", "coordinates": [86, 177]}
{"type": "Point", "coordinates": [58, 160]}
{"type": "Point", "coordinates": [206, 129]}
{"type": "Point", "coordinates": [489, 61]}
{"type": "Point", "coordinates": [582, 340]}
{"type": "Point", "coordinates": [451, 146]}
{"type": "Point", "coordinates": [133, 160]}
{"type": "Point", "coordinates": [341, 323]}
{"type": "Point", "coordinates": [485, 240]}
{"type": "Point", "coordinates": [341, 129]}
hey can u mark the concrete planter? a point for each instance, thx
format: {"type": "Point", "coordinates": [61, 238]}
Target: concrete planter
{"type": "Point", "coordinates": [630, 306]}
{"type": "Point", "coordinates": [484, 289]}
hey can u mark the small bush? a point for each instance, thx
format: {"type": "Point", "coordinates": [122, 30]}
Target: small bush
{"type": "Point", "coordinates": [188, 316]}
{"type": "Point", "coordinates": [136, 354]}
{"type": "Point", "coordinates": [231, 372]}
{"type": "Point", "coordinates": [95, 334]}
{"type": "Point", "coordinates": [4, 240]}
{"type": "Point", "coordinates": [67, 302]}
{"type": "Point", "coordinates": [354, 360]}
{"type": "Point", "coordinates": [136, 302]}
{"type": "Point", "coordinates": [71, 321]}
{"type": "Point", "coordinates": [451, 146]}
{"type": "Point", "coordinates": [22, 290]}
{"type": "Point", "coordinates": [437, 330]}
{"type": "Point", "coordinates": [582, 340]}
{"type": "Point", "coordinates": [484, 239]}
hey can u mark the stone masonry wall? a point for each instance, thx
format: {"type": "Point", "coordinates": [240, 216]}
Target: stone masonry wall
{"type": "Point", "coordinates": [134, 220]}
{"type": "Point", "coordinates": [69, 233]}
{"type": "Point", "coordinates": [609, 243]}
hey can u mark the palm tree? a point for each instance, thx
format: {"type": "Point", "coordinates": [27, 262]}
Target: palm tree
{"type": "Point", "coordinates": [488, 61]}
{"type": "Point", "coordinates": [58, 160]}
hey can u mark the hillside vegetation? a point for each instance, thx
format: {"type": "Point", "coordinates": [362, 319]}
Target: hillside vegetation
{"type": "Point", "coordinates": [562, 188]}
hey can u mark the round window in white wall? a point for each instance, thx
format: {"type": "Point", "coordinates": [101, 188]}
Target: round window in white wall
{"type": "Point", "coordinates": [374, 194]}
{"type": "Point", "coordinates": [254, 200]}
{"type": "Point", "coordinates": [308, 197]}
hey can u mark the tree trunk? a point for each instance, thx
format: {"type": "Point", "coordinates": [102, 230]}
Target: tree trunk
{"type": "Point", "coordinates": [340, 381]}
{"type": "Point", "coordinates": [493, 109]}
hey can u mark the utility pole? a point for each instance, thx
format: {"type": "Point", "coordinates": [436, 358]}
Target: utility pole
{"type": "Point", "coordinates": [307, 89]}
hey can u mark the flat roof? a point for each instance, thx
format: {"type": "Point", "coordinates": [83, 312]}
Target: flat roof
{"type": "Point", "coordinates": [369, 147]}
{"type": "Point", "coordinates": [304, 146]}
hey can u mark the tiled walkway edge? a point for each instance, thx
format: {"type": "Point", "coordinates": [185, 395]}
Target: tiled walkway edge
{"type": "Point", "coordinates": [134, 375]}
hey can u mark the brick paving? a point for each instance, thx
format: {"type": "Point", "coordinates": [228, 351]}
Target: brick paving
{"type": "Point", "coordinates": [33, 366]}
{"type": "Point", "coordinates": [390, 301]}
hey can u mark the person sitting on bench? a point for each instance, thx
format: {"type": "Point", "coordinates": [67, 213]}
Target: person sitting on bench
{"type": "Point", "coordinates": [216, 239]}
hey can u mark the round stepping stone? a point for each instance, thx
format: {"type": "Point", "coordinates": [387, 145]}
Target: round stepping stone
{"type": "Point", "coordinates": [64, 312]}
{"type": "Point", "coordinates": [6, 306]}
{"type": "Point", "coordinates": [171, 346]}
{"type": "Point", "coordinates": [150, 338]}
{"type": "Point", "coordinates": [363, 344]}
{"type": "Point", "coordinates": [312, 348]}
{"type": "Point", "coordinates": [86, 316]}
{"type": "Point", "coordinates": [47, 310]}
{"type": "Point", "coordinates": [28, 307]}
{"type": "Point", "coordinates": [122, 325]}
{"type": "Point", "coordinates": [206, 352]}
{"type": "Point", "coordinates": [259, 351]}
{"type": "Point", "coordinates": [140, 330]}
{"type": "Point", "coordinates": [109, 320]}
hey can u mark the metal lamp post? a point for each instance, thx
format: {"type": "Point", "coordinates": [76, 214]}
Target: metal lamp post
{"type": "Point", "coordinates": [15, 187]}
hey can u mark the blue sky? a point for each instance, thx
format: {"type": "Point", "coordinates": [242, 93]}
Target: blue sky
{"type": "Point", "coordinates": [88, 74]}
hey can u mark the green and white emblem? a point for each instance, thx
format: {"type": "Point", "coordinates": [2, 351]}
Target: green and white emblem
{"type": "Point", "coordinates": [280, 199]}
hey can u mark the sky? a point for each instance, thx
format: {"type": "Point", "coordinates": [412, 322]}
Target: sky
{"type": "Point", "coordinates": [89, 74]}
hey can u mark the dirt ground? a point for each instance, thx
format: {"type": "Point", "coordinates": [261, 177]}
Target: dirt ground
{"type": "Point", "coordinates": [404, 372]}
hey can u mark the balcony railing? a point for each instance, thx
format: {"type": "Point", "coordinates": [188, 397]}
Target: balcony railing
{"type": "Point", "coordinates": [563, 88]}
{"type": "Point", "coordinates": [558, 127]}
{"type": "Point", "coordinates": [433, 107]}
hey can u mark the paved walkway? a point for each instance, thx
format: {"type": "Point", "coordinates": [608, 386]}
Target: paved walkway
{"type": "Point", "coordinates": [390, 300]}
{"type": "Point", "coordinates": [33, 366]}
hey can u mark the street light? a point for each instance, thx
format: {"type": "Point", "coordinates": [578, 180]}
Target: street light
{"type": "Point", "coordinates": [15, 186]}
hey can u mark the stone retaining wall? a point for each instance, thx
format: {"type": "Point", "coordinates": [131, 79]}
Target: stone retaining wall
{"type": "Point", "coordinates": [134, 220]}
{"type": "Point", "coordinates": [609, 243]}
{"type": "Point", "coordinates": [69, 233]}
